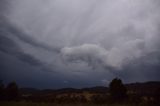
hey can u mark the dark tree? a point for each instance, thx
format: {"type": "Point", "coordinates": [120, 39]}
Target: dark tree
{"type": "Point", "coordinates": [12, 91]}
{"type": "Point", "coordinates": [157, 97]}
{"type": "Point", "coordinates": [2, 90]}
{"type": "Point", "coordinates": [118, 91]}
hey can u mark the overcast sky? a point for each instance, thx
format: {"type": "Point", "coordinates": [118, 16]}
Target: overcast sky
{"type": "Point", "coordinates": [79, 43]}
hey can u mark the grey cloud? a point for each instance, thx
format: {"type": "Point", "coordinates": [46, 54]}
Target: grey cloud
{"type": "Point", "coordinates": [117, 30]}
{"type": "Point", "coordinates": [84, 37]}
{"type": "Point", "coordinates": [17, 32]}
{"type": "Point", "coordinates": [142, 69]}
{"type": "Point", "coordinates": [9, 46]}
{"type": "Point", "coordinates": [87, 52]}
{"type": "Point", "coordinates": [95, 54]}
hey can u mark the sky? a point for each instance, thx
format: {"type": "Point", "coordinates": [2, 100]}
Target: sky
{"type": "Point", "coordinates": [79, 43]}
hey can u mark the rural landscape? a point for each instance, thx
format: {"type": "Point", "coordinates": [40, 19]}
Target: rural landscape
{"type": "Point", "coordinates": [117, 94]}
{"type": "Point", "coordinates": [79, 52]}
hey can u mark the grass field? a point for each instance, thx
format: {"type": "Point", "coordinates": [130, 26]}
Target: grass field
{"type": "Point", "coordinates": [23, 103]}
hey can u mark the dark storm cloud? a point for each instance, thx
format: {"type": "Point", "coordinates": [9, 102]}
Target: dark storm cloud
{"type": "Point", "coordinates": [82, 38]}
{"type": "Point", "coordinates": [22, 36]}
{"type": "Point", "coordinates": [3, 5]}
{"type": "Point", "coordinates": [9, 46]}
{"type": "Point", "coordinates": [26, 75]}
{"type": "Point", "coordinates": [17, 32]}
{"type": "Point", "coordinates": [142, 69]}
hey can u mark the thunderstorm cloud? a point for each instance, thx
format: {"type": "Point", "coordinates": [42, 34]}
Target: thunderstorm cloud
{"type": "Point", "coordinates": [69, 40]}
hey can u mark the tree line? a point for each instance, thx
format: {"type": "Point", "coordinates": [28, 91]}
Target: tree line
{"type": "Point", "coordinates": [117, 93]}
{"type": "Point", "coordinates": [10, 92]}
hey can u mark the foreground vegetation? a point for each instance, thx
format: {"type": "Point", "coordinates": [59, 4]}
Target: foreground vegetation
{"type": "Point", "coordinates": [23, 103]}
{"type": "Point", "coordinates": [117, 94]}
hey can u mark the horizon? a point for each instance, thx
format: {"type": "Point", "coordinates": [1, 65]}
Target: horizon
{"type": "Point", "coordinates": [107, 86]}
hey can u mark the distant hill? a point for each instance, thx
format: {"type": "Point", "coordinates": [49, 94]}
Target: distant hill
{"type": "Point", "coordinates": [98, 89]}
{"type": "Point", "coordinates": [146, 88]}
{"type": "Point", "coordinates": [137, 93]}
{"type": "Point", "coordinates": [29, 90]}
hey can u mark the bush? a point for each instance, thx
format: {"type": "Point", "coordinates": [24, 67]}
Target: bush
{"type": "Point", "coordinates": [12, 91]}
{"type": "Point", "coordinates": [117, 90]}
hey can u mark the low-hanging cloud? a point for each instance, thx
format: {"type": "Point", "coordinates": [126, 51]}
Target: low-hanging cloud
{"type": "Point", "coordinates": [115, 57]}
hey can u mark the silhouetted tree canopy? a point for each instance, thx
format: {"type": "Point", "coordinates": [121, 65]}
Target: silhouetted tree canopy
{"type": "Point", "coordinates": [157, 96]}
{"type": "Point", "coordinates": [1, 90]}
{"type": "Point", "coordinates": [1, 86]}
{"type": "Point", "coordinates": [12, 90]}
{"type": "Point", "coordinates": [117, 90]}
